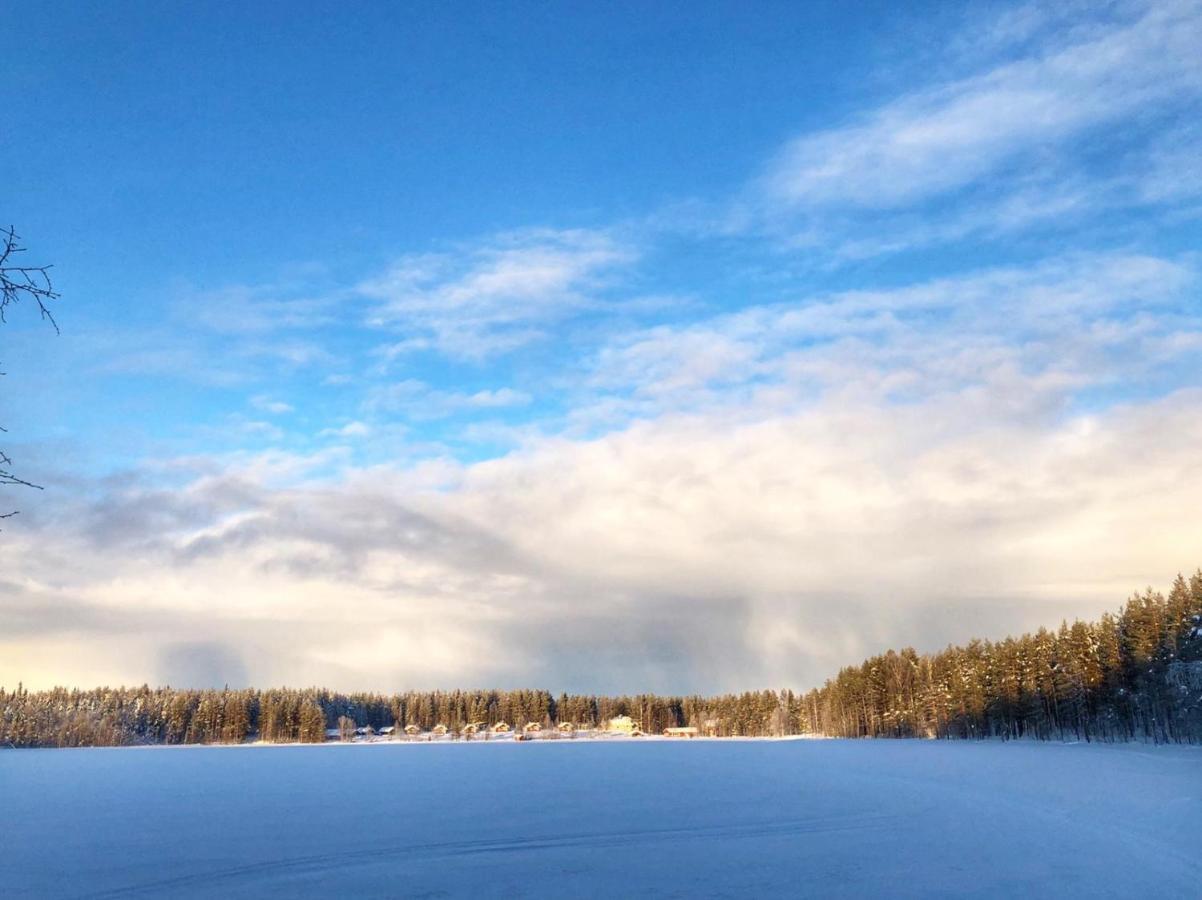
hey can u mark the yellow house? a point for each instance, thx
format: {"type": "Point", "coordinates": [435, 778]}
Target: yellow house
{"type": "Point", "coordinates": [440, 729]}
{"type": "Point", "coordinates": [624, 725]}
{"type": "Point", "coordinates": [501, 728]}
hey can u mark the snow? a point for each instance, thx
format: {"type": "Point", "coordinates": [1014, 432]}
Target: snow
{"type": "Point", "coordinates": [617, 818]}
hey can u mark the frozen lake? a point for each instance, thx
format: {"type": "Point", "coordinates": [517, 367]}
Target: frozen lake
{"type": "Point", "coordinates": [688, 819]}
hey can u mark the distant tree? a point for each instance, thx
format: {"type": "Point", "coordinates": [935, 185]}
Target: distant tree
{"type": "Point", "coordinates": [311, 723]}
{"type": "Point", "coordinates": [17, 283]}
{"type": "Point", "coordinates": [235, 719]}
{"type": "Point", "coordinates": [346, 728]}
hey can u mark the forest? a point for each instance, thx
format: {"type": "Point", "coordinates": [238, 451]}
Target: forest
{"type": "Point", "coordinates": [1134, 675]}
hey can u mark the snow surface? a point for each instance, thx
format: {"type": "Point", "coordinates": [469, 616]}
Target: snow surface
{"type": "Point", "coordinates": [608, 818]}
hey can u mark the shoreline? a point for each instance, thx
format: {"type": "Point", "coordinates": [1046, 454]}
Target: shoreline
{"type": "Point", "coordinates": [1131, 746]}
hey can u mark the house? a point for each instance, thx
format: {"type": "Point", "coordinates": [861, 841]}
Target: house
{"type": "Point", "coordinates": [412, 730]}
{"type": "Point", "coordinates": [624, 725]}
{"type": "Point", "coordinates": [566, 728]}
{"type": "Point", "coordinates": [532, 727]}
{"type": "Point", "coordinates": [501, 728]}
{"type": "Point", "coordinates": [689, 731]}
{"type": "Point", "coordinates": [333, 734]}
{"type": "Point", "coordinates": [365, 731]}
{"type": "Point", "coordinates": [387, 730]}
{"type": "Point", "coordinates": [473, 727]}
{"type": "Point", "coordinates": [440, 729]}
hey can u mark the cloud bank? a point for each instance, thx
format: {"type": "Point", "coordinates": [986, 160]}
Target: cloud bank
{"type": "Point", "coordinates": [790, 486]}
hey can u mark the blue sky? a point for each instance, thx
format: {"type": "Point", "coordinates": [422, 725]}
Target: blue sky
{"type": "Point", "coordinates": [448, 329]}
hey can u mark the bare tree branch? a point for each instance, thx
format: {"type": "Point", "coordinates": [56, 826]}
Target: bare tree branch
{"type": "Point", "coordinates": [23, 282]}
{"type": "Point", "coordinates": [17, 283]}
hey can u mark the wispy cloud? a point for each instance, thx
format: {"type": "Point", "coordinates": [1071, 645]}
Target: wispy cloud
{"type": "Point", "coordinates": [353, 429]}
{"type": "Point", "coordinates": [199, 357]}
{"type": "Point", "coordinates": [291, 305]}
{"type": "Point", "coordinates": [1065, 322]}
{"type": "Point", "coordinates": [1003, 149]}
{"type": "Point", "coordinates": [491, 299]}
{"type": "Point", "coordinates": [265, 403]}
{"type": "Point", "coordinates": [947, 136]}
{"type": "Point", "coordinates": [418, 400]}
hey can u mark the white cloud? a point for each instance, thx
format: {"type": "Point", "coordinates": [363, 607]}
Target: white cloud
{"type": "Point", "coordinates": [1063, 324]}
{"type": "Point", "coordinates": [502, 397]}
{"type": "Point", "coordinates": [947, 136]}
{"type": "Point", "coordinates": [493, 298]}
{"type": "Point", "coordinates": [416, 399]}
{"type": "Point", "coordinates": [354, 429]}
{"type": "Point", "coordinates": [867, 469]}
{"type": "Point", "coordinates": [1087, 111]}
{"type": "Point", "coordinates": [284, 306]}
{"type": "Point", "coordinates": [264, 403]}
{"type": "Point", "coordinates": [766, 543]}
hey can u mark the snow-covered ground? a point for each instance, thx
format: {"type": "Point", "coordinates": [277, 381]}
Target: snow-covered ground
{"type": "Point", "coordinates": [604, 818]}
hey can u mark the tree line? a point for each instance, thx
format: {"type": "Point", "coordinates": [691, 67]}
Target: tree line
{"type": "Point", "coordinates": [1135, 675]}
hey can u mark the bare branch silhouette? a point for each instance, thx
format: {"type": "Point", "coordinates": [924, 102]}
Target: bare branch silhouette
{"type": "Point", "coordinates": [17, 283]}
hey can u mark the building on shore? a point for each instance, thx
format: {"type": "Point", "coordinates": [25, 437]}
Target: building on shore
{"type": "Point", "coordinates": [624, 725]}
{"type": "Point", "coordinates": [686, 731]}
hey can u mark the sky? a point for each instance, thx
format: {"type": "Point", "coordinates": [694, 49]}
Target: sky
{"type": "Point", "coordinates": [621, 347]}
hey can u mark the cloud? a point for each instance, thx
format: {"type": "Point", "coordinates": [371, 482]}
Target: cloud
{"type": "Point", "coordinates": [197, 357]}
{"type": "Point", "coordinates": [944, 137]}
{"type": "Point", "coordinates": [491, 299]}
{"type": "Point", "coordinates": [1062, 325]}
{"type": "Point", "coordinates": [685, 554]}
{"type": "Point", "coordinates": [965, 455]}
{"type": "Point", "coordinates": [1011, 148]}
{"type": "Point", "coordinates": [289, 305]}
{"type": "Point", "coordinates": [264, 403]}
{"type": "Point", "coordinates": [267, 430]}
{"type": "Point", "coordinates": [418, 400]}
{"type": "Point", "coordinates": [353, 429]}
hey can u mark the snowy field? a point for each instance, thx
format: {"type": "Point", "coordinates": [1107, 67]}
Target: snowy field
{"type": "Point", "coordinates": [616, 819]}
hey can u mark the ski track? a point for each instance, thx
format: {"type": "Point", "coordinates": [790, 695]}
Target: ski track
{"type": "Point", "coordinates": [445, 849]}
